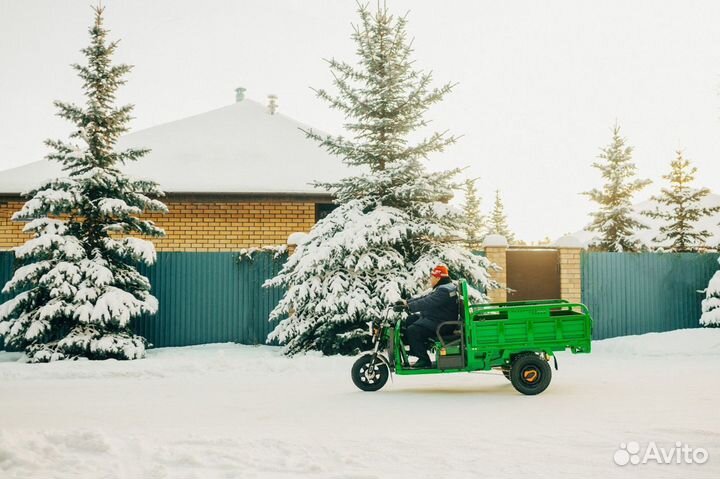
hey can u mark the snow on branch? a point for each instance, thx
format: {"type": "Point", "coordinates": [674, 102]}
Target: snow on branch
{"type": "Point", "coordinates": [116, 306]}
{"type": "Point", "coordinates": [276, 251]}
{"type": "Point", "coordinates": [46, 226]}
{"type": "Point", "coordinates": [117, 207]}
{"type": "Point", "coordinates": [56, 197]}
{"type": "Point", "coordinates": [136, 249]}
{"type": "Point", "coordinates": [711, 303]}
{"type": "Point", "coordinates": [51, 244]}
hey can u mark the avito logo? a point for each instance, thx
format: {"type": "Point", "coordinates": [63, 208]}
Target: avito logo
{"type": "Point", "coordinates": [632, 453]}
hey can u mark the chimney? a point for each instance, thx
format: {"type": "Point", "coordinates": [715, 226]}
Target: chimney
{"type": "Point", "coordinates": [272, 104]}
{"type": "Point", "coordinates": [239, 94]}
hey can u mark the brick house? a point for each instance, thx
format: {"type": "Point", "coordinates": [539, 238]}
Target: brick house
{"type": "Point", "coordinates": [235, 177]}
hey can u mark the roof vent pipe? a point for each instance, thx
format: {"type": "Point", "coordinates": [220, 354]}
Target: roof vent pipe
{"type": "Point", "coordinates": [239, 94]}
{"type": "Point", "coordinates": [272, 104]}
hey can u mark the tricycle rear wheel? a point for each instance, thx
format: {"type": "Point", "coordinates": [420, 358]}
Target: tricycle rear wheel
{"type": "Point", "coordinates": [530, 374]}
{"type": "Point", "coordinates": [367, 377]}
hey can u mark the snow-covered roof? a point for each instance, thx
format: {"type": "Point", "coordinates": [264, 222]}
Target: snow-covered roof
{"type": "Point", "coordinates": [240, 148]}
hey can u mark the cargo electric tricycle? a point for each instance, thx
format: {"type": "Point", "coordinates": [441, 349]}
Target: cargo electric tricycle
{"type": "Point", "coordinates": [517, 338]}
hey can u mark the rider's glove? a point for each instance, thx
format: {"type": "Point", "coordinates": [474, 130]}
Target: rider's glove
{"type": "Point", "coordinates": [400, 306]}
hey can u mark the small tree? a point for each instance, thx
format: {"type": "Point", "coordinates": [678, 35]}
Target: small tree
{"type": "Point", "coordinates": [711, 303]}
{"type": "Point", "coordinates": [682, 208]}
{"type": "Point", "coordinates": [614, 219]}
{"type": "Point", "coordinates": [474, 225]}
{"type": "Point", "coordinates": [392, 225]}
{"type": "Point", "coordinates": [498, 220]}
{"type": "Point", "coordinates": [77, 287]}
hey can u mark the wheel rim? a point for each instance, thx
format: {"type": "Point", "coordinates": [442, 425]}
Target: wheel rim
{"type": "Point", "coordinates": [531, 376]}
{"type": "Point", "coordinates": [370, 375]}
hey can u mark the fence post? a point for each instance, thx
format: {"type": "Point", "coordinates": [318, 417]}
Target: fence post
{"type": "Point", "coordinates": [293, 240]}
{"type": "Point", "coordinates": [496, 251]}
{"type": "Point", "coordinates": [569, 248]}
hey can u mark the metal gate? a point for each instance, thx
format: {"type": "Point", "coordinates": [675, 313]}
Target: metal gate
{"type": "Point", "coordinates": [533, 274]}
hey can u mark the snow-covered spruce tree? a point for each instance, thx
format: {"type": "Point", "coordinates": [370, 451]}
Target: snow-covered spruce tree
{"type": "Point", "coordinates": [680, 208]}
{"type": "Point", "coordinates": [78, 287]}
{"type": "Point", "coordinates": [711, 303]}
{"type": "Point", "coordinates": [614, 219]}
{"type": "Point", "coordinates": [391, 226]}
{"type": "Point", "coordinates": [474, 225]}
{"type": "Point", "coordinates": [498, 220]}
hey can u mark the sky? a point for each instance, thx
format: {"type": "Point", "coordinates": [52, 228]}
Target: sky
{"type": "Point", "coordinates": [539, 84]}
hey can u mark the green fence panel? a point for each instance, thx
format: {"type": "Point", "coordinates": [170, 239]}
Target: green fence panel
{"type": "Point", "coordinates": [210, 298]}
{"type": "Point", "coordinates": [204, 298]}
{"type": "Point", "coordinates": [645, 292]}
{"type": "Point", "coordinates": [7, 260]}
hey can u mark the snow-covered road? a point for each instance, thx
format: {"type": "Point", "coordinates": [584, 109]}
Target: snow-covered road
{"type": "Point", "coordinates": [226, 411]}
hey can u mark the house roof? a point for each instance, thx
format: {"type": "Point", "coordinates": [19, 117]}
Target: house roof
{"type": "Point", "coordinates": [240, 148]}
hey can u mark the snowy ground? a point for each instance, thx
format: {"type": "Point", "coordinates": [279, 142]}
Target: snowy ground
{"type": "Point", "coordinates": [226, 411]}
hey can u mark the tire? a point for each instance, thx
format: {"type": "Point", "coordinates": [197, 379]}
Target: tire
{"type": "Point", "coordinates": [530, 374]}
{"type": "Point", "coordinates": [366, 380]}
{"type": "Point", "coordinates": [506, 373]}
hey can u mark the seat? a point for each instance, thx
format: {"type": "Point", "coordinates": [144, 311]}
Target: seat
{"type": "Point", "coordinates": [450, 332]}
{"type": "Point", "coordinates": [451, 354]}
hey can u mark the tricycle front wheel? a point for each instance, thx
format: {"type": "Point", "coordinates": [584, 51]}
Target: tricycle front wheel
{"type": "Point", "coordinates": [368, 376]}
{"type": "Point", "coordinates": [530, 374]}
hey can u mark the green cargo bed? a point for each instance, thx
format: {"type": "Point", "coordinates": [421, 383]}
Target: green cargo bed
{"type": "Point", "coordinates": [496, 331]}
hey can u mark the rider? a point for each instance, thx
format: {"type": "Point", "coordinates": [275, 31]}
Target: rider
{"type": "Point", "coordinates": [428, 311]}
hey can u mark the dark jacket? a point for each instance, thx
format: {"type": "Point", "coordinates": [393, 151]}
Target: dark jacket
{"type": "Point", "coordinates": [437, 306]}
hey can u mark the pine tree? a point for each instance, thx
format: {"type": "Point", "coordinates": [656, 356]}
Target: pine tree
{"type": "Point", "coordinates": [711, 303]}
{"type": "Point", "coordinates": [683, 209]}
{"type": "Point", "coordinates": [474, 225]}
{"type": "Point", "coordinates": [614, 219]}
{"type": "Point", "coordinates": [498, 220]}
{"type": "Point", "coordinates": [392, 225]}
{"type": "Point", "coordinates": [77, 287]}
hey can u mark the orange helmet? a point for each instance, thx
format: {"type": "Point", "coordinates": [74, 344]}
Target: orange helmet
{"type": "Point", "coordinates": [440, 271]}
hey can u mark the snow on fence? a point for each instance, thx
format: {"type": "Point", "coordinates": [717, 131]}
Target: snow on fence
{"type": "Point", "coordinates": [210, 297]}
{"type": "Point", "coordinates": [636, 293]}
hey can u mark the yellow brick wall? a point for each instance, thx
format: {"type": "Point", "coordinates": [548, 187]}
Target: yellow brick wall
{"type": "Point", "coordinates": [230, 226]}
{"type": "Point", "coordinates": [201, 226]}
{"type": "Point", "coordinates": [570, 275]}
{"type": "Point", "coordinates": [497, 256]}
{"type": "Point", "coordinates": [10, 233]}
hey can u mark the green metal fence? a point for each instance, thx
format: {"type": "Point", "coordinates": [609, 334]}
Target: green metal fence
{"type": "Point", "coordinates": [7, 259]}
{"type": "Point", "coordinates": [210, 297]}
{"type": "Point", "coordinates": [646, 292]}
{"type": "Point", "coordinates": [204, 298]}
